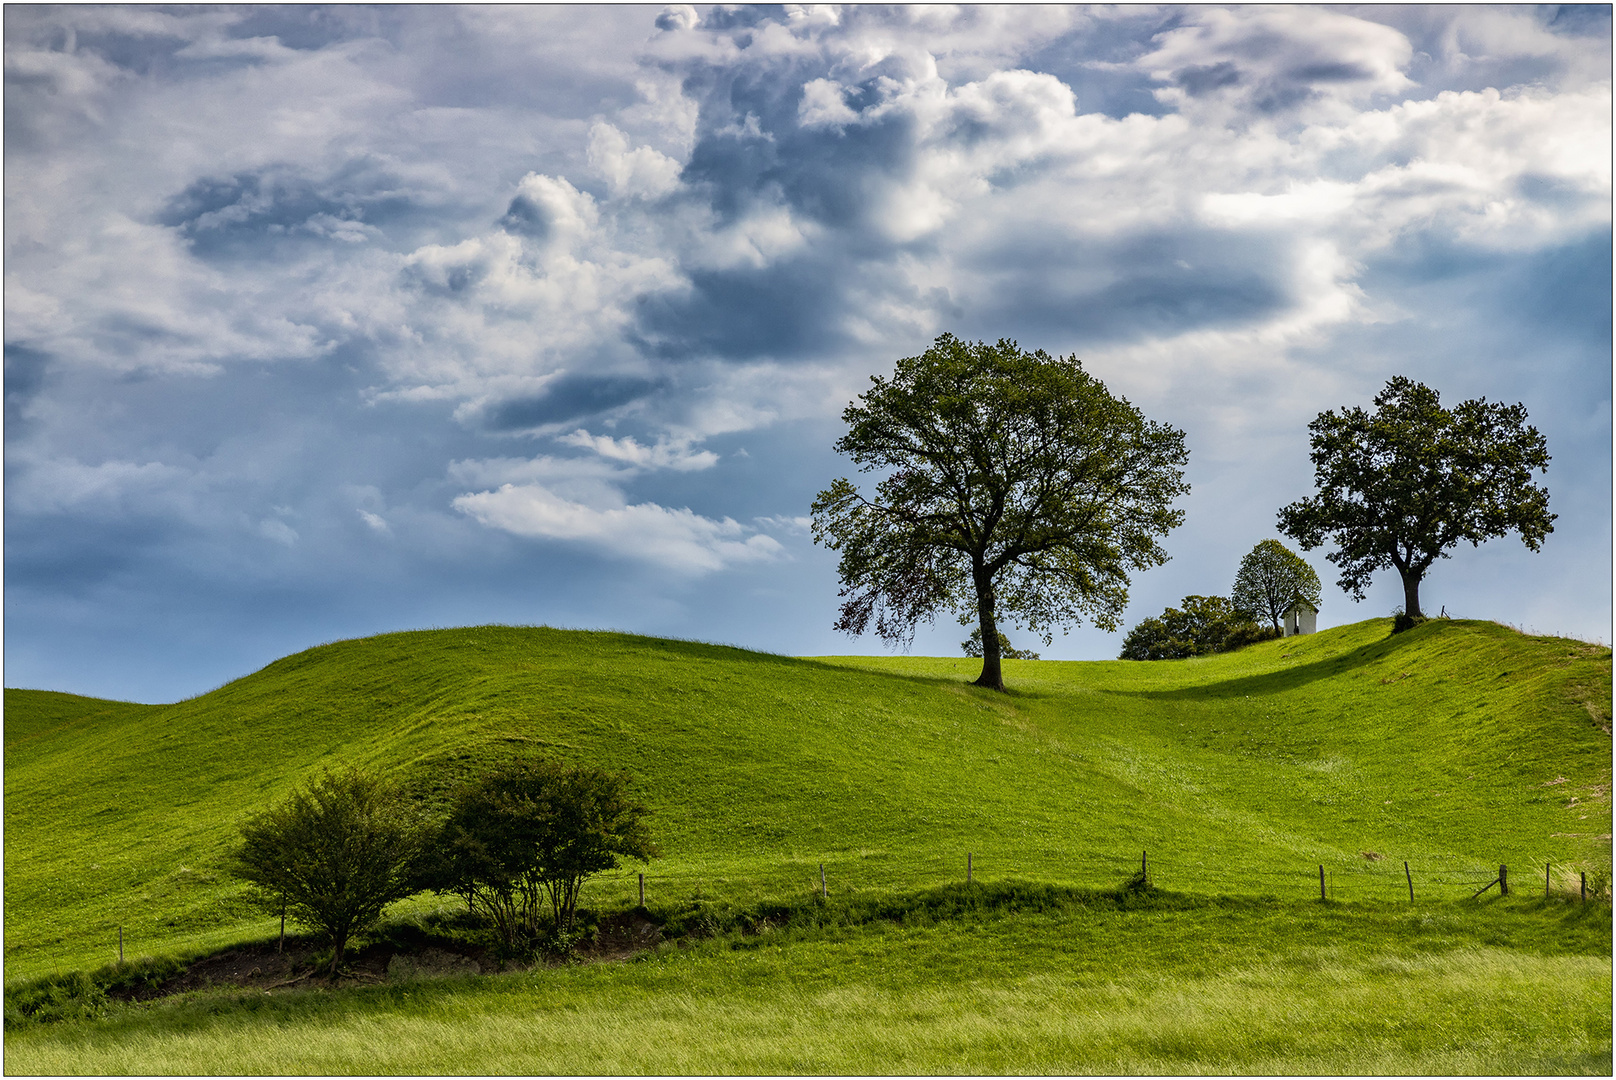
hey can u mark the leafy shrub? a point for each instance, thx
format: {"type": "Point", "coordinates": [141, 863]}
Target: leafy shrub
{"type": "Point", "coordinates": [525, 837]}
{"type": "Point", "coordinates": [337, 852]}
{"type": "Point", "coordinates": [1205, 624]}
{"type": "Point", "coordinates": [1247, 634]}
{"type": "Point", "coordinates": [79, 995]}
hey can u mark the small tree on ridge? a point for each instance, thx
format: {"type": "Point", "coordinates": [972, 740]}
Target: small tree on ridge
{"type": "Point", "coordinates": [1272, 580]}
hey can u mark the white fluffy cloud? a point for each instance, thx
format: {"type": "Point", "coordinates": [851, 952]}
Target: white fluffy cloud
{"type": "Point", "coordinates": [664, 455]}
{"type": "Point", "coordinates": [679, 540]}
{"type": "Point", "coordinates": [581, 501]}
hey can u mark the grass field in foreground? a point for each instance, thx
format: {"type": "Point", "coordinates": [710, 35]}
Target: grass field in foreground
{"type": "Point", "coordinates": [1456, 746]}
{"type": "Point", "coordinates": [1178, 986]}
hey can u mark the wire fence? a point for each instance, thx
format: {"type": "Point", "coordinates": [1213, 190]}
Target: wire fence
{"type": "Point", "coordinates": [1381, 878]}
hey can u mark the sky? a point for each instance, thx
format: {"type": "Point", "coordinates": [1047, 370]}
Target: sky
{"type": "Point", "coordinates": [323, 322]}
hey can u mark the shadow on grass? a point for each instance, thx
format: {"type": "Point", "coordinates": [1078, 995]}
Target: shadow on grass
{"type": "Point", "coordinates": [1291, 678]}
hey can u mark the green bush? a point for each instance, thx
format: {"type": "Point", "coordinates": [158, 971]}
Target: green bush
{"type": "Point", "coordinates": [1204, 625]}
{"type": "Point", "coordinates": [337, 853]}
{"type": "Point", "coordinates": [525, 837]}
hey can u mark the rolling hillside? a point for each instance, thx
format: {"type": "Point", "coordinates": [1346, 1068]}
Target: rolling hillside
{"type": "Point", "coordinates": [1457, 747]}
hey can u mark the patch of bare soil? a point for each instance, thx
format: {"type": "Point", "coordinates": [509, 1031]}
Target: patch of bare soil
{"type": "Point", "coordinates": [620, 937]}
{"type": "Point", "coordinates": [262, 967]}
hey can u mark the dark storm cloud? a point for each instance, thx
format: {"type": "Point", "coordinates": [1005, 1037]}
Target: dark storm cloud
{"type": "Point", "coordinates": [750, 144]}
{"type": "Point", "coordinates": [234, 216]}
{"type": "Point", "coordinates": [1203, 79]}
{"type": "Point", "coordinates": [1148, 285]}
{"type": "Point", "coordinates": [25, 376]}
{"type": "Point", "coordinates": [786, 311]}
{"type": "Point", "coordinates": [313, 26]}
{"type": "Point", "coordinates": [525, 217]}
{"type": "Point", "coordinates": [1285, 90]}
{"type": "Point", "coordinates": [1581, 20]}
{"type": "Point", "coordinates": [568, 399]}
{"type": "Point", "coordinates": [70, 554]}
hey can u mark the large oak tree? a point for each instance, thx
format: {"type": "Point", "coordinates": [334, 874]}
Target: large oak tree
{"type": "Point", "coordinates": [1400, 486]}
{"type": "Point", "coordinates": [1015, 485]}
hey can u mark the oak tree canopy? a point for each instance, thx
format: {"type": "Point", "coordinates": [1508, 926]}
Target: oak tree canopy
{"type": "Point", "coordinates": [1015, 486]}
{"type": "Point", "coordinates": [1402, 485]}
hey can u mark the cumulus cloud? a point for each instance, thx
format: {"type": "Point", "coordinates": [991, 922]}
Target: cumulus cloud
{"type": "Point", "coordinates": [664, 455]}
{"type": "Point", "coordinates": [642, 171]}
{"type": "Point", "coordinates": [1268, 61]}
{"type": "Point", "coordinates": [678, 540]}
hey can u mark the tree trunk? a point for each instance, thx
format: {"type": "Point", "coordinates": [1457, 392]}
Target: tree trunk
{"type": "Point", "coordinates": [991, 676]}
{"type": "Point", "coordinates": [339, 942]}
{"type": "Point", "coordinates": [1411, 593]}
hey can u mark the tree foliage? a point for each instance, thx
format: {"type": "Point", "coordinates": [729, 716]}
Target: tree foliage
{"type": "Point", "coordinates": [519, 842]}
{"type": "Point", "coordinates": [1205, 624]}
{"type": "Point", "coordinates": [1015, 485]}
{"type": "Point", "coordinates": [1273, 579]}
{"type": "Point", "coordinates": [1402, 485]}
{"type": "Point", "coordinates": [337, 853]}
{"type": "Point", "coordinates": [972, 646]}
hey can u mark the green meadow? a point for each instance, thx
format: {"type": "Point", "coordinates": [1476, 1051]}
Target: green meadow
{"type": "Point", "coordinates": [1455, 748]}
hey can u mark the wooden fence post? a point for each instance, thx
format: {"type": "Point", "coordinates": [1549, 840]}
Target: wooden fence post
{"type": "Point", "coordinates": [1144, 867]}
{"type": "Point", "coordinates": [1503, 880]}
{"type": "Point", "coordinates": [822, 893]}
{"type": "Point", "coordinates": [967, 868]}
{"type": "Point", "coordinates": [1321, 881]}
{"type": "Point", "coordinates": [1585, 886]}
{"type": "Point", "coordinates": [1410, 881]}
{"type": "Point", "coordinates": [642, 890]}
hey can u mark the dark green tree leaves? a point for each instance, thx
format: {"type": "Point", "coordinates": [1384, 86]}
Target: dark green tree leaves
{"type": "Point", "coordinates": [1272, 580]}
{"type": "Point", "coordinates": [338, 852]}
{"type": "Point", "coordinates": [1402, 485]}
{"type": "Point", "coordinates": [972, 646]}
{"type": "Point", "coordinates": [1205, 624]}
{"type": "Point", "coordinates": [524, 837]}
{"type": "Point", "coordinates": [1014, 485]}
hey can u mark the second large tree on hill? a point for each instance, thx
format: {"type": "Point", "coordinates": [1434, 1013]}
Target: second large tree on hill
{"type": "Point", "coordinates": [1015, 485]}
{"type": "Point", "coordinates": [1399, 486]}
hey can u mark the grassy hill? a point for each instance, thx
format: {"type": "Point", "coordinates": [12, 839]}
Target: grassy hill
{"type": "Point", "coordinates": [1457, 746]}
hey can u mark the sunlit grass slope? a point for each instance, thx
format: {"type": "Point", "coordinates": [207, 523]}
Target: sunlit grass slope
{"type": "Point", "coordinates": [1455, 746]}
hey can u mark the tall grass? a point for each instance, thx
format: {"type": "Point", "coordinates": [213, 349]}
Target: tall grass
{"type": "Point", "coordinates": [1236, 987]}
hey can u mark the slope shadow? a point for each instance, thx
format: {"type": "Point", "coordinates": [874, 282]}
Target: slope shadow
{"type": "Point", "coordinates": [1291, 678]}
